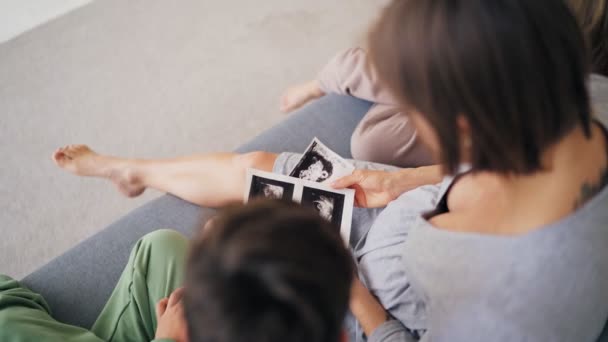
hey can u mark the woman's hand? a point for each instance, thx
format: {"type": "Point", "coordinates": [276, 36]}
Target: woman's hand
{"type": "Point", "coordinates": [375, 189]}
{"type": "Point", "coordinates": [171, 323]}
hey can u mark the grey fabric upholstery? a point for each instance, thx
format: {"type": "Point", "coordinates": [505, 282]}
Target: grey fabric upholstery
{"type": "Point", "coordinates": [78, 283]}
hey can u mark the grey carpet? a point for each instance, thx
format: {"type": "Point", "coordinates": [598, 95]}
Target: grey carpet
{"type": "Point", "coordinates": [149, 78]}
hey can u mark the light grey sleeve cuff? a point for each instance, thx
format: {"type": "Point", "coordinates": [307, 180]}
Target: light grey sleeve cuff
{"type": "Point", "coordinates": [391, 331]}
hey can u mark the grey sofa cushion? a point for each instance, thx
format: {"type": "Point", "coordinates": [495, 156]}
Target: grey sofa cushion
{"type": "Point", "coordinates": [78, 283]}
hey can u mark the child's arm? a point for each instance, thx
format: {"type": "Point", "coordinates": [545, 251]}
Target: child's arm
{"type": "Point", "coordinates": [351, 73]}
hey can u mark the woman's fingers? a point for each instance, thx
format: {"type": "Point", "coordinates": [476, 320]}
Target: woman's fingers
{"type": "Point", "coordinates": [347, 181]}
{"type": "Point", "coordinates": [360, 198]}
{"type": "Point", "coordinates": [161, 307]}
{"type": "Point", "coordinates": [343, 182]}
{"type": "Point", "coordinates": [371, 187]}
{"type": "Point", "coordinates": [353, 181]}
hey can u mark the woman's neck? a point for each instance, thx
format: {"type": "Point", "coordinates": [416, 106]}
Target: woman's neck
{"type": "Point", "coordinates": [577, 162]}
{"type": "Point", "coordinates": [574, 171]}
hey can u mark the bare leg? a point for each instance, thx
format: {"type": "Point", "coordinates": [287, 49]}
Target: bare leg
{"type": "Point", "coordinates": [210, 180]}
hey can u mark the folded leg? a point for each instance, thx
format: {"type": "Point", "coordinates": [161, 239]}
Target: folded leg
{"type": "Point", "coordinates": [386, 135]}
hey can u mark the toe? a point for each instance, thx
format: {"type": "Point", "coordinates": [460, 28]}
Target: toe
{"type": "Point", "coordinates": [59, 157]}
{"type": "Point", "coordinates": [82, 148]}
{"type": "Point", "coordinates": [68, 153]}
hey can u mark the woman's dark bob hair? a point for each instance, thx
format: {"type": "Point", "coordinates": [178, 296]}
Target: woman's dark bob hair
{"type": "Point", "coordinates": [515, 69]}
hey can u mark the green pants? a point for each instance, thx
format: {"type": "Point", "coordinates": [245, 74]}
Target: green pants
{"type": "Point", "coordinates": [154, 270]}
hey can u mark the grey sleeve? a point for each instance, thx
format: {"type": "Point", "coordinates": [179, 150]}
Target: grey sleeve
{"type": "Point", "coordinates": [391, 331]}
{"type": "Point", "coordinates": [485, 327]}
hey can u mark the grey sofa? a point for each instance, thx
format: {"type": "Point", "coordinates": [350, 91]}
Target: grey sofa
{"type": "Point", "coordinates": [78, 283]}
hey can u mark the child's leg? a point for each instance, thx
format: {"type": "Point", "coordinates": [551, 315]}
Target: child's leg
{"type": "Point", "coordinates": [348, 73]}
{"type": "Point", "coordinates": [210, 180]}
{"type": "Point", "coordinates": [155, 269]}
{"type": "Point", "coordinates": [387, 136]}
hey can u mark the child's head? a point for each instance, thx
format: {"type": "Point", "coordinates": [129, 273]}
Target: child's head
{"type": "Point", "coordinates": [592, 15]}
{"type": "Point", "coordinates": [268, 271]}
{"type": "Point", "coordinates": [493, 83]}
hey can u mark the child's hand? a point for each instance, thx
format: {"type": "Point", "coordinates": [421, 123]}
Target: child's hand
{"type": "Point", "coordinates": [171, 323]}
{"type": "Point", "coordinates": [298, 95]}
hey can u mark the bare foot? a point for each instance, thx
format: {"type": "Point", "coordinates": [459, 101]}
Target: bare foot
{"type": "Point", "coordinates": [82, 161]}
{"type": "Point", "coordinates": [298, 95]}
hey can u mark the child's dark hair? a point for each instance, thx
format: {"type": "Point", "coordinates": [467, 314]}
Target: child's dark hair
{"type": "Point", "coordinates": [516, 70]}
{"type": "Point", "coordinates": [268, 271]}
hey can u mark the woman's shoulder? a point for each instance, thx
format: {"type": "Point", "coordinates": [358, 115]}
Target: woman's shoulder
{"type": "Point", "coordinates": [566, 260]}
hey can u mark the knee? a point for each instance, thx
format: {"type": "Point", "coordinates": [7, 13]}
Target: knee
{"type": "Point", "coordinates": [165, 239]}
{"type": "Point", "coordinates": [389, 143]}
{"type": "Point", "coordinates": [359, 148]}
{"type": "Point", "coordinates": [369, 148]}
{"type": "Point", "coordinates": [254, 160]}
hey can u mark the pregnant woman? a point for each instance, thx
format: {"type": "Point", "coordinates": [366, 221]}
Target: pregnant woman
{"type": "Point", "coordinates": [512, 243]}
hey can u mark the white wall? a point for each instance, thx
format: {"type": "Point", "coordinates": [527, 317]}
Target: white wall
{"type": "Point", "coordinates": [18, 16]}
